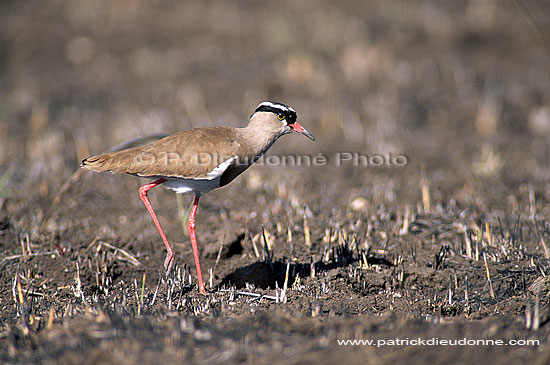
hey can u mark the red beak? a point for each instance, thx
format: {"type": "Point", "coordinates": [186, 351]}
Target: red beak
{"type": "Point", "coordinates": [299, 129]}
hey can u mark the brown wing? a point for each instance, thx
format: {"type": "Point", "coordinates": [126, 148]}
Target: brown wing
{"type": "Point", "coordinates": [193, 153]}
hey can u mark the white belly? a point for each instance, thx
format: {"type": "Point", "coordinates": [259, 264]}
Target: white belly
{"type": "Point", "coordinates": [183, 186]}
{"type": "Point", "coordinates": [211, 181]}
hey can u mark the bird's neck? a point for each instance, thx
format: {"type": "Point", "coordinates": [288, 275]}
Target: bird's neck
{"type": "Point", "coordinates": [258, 139]}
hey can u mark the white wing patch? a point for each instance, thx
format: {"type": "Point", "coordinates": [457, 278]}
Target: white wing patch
{"type": "Point", "coordinates": [220, 169]}
{"type": "Point", "coordinates": [202, 185]}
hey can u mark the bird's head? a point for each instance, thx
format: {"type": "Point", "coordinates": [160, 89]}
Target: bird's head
{"type": "Point", "coordinates": [280, 117]}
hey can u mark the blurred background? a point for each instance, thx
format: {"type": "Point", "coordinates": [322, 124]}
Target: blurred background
{"type": "Point", "coordinates": [459, 87]}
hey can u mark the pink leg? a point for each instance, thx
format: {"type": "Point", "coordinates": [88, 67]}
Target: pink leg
{"type": "Point", "coordinates": [191, 228]}
{"type": "Point", "coordinates": [169, 262]}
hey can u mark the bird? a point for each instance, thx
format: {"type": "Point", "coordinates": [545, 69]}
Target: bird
{"type": "Point", "coordinates": [199, 160]}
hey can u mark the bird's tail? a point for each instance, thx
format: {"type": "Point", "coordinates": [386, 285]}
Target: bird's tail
{"type": "Point", "coordinates": [118, 158]}
{"type": "Point", "coordinates": [96, 163]}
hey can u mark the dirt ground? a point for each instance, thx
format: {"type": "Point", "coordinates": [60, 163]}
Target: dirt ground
{"type": "Point", "coordinates": [451, 245]}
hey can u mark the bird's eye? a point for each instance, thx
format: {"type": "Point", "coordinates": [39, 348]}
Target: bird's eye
{"type": "Point", "coordinates": [281, 116]}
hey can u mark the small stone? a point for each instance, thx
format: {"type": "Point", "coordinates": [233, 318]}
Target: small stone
{"type": "Point", "coordinates": [359, 204]}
